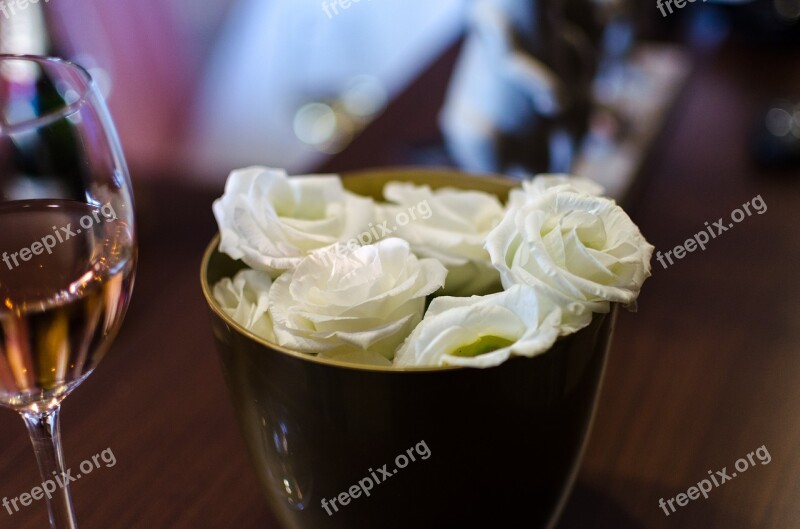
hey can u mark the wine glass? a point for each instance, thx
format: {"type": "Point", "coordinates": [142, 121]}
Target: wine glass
{"type": "Point", "coordinates": [67, 246]}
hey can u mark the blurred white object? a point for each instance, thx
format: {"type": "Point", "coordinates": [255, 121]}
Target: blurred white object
{"type": "Point", "coordinates": [508, 112]}
{"type": "Point", "coordinates": [653, 78]}
{"type": "Point", "coordinates": [503, 93]}
{"type": "Point", "coordinates": [275, 58]}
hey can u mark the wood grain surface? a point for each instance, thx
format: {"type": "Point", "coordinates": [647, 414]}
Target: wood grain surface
{"type": "Point", "coordinates": [706, 372]}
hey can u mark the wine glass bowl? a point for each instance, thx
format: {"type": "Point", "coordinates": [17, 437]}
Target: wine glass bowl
{"type": "Point", "coordinates": [67, 244]}
{"type": "Point", "coordinates": [60, 308]}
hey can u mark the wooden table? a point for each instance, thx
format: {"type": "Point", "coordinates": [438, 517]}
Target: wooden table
{"type": "Point", "coordinates": [704, 374]}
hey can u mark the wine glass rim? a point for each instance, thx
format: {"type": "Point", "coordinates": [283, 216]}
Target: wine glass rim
{"type": "Point", "coordinates": [61, 112]}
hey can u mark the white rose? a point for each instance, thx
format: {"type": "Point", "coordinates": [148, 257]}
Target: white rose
{"type": "Point", "coordinates": [584, 249]}
{"type": "Point", "coordinates": [354, 305]}
{"type": "Point", "coordinates": [271, 221]}
{"type": "Point", "coordinates": [453, 231]}
{"type": "Point", "coordinates": [245, 299]}
{"type": "Point", "coordinates": [532, 189]}
{"type": "Point", "coordinates": [482, 331]}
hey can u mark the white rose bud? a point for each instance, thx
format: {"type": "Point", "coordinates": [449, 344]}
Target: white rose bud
{"type": "Point", "coordinates": [356, 305]}
{"type": "Point", "coordinates": [271, 221]}
{"type": "Point", "coordinates": [483, 331]}
{"type": "Point", "coordinates": [535, 188]}
{"type": "Point", "coordinates": [245, 298]}
{"type": "Point", "coordinates": [453, 231]}
{"type": "Point", "coordinates": [585, 250]}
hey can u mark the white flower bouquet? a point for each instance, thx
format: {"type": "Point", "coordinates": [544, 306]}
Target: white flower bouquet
{"type": "Point", "coordinates": [441, 277]}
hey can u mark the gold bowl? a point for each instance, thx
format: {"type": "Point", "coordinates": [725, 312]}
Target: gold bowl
{"type": "Point", "coordinates": [503, 444]}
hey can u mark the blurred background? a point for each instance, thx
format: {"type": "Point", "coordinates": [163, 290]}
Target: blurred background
{"type": "Point", "coordinates": [199, 88]}
{"type": "Point", "coordinates": [684, 110]}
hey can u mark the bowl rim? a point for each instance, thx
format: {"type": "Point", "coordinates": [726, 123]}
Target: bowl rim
{"type": "Point", "coordinates": [214, 306]}
{"type": "Point", "coordinates": [216, 309]}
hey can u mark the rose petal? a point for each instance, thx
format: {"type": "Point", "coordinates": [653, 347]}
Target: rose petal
{"type": "Point", "coordinates": [583, 249]}
{"type": "Point", "coordinates": [453, 231]}
{"type": "Point", "coordinates": [271, 221]}
{"type": "Point", "coordinates": [522, 315]}
{"type": "Point", "coordinates": [246, 300]}
{"type": "Point", "coordinates": [369, 299]}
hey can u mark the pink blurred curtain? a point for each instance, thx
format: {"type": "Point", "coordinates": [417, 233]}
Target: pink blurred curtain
{"type": "Point", "coordinates": [201, 86]}
{"type": "Point", "coordinates": [153, 51]}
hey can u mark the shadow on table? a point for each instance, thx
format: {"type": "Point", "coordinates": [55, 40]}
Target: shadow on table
{"type": "Point", "coordinates": [589, 507]}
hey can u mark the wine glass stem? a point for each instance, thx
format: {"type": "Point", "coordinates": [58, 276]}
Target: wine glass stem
{"type": "Point", "coordinates": [45, 435]}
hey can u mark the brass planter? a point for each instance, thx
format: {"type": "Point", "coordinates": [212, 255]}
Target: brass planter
{"type": "Point", "coordinates": [505, 443]}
